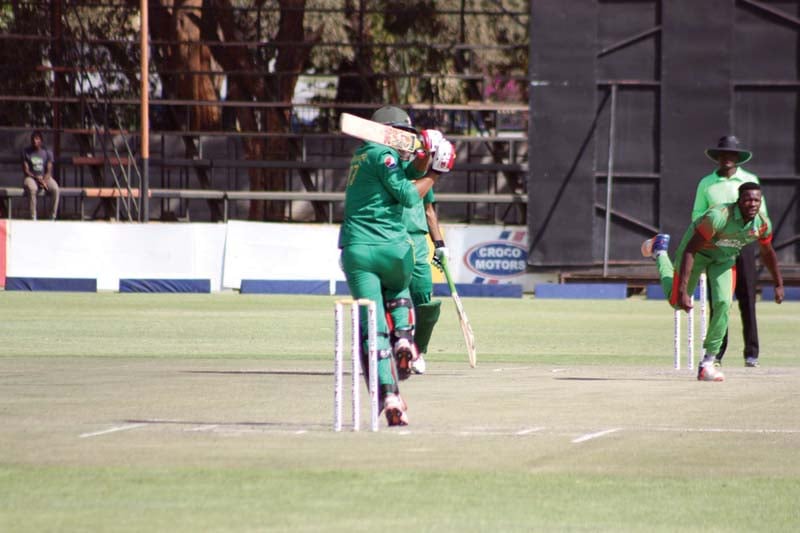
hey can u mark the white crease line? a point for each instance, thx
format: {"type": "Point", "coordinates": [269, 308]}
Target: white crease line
{"type": "Point", "coordinates": [727, 430]}
{"type": "Point", "coordinates": [528, 431]}
{"type": "Point", "coordinates": [590, 436]}
{"type": "Point", "coordinates": [473, 433]}
{"type": "Point", "coordinates": [203, 428]}
{"type": "Point", "coordinates": [111, 430]}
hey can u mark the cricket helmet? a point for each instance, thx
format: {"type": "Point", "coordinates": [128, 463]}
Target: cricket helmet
{"type": "Point", "coordinates": [395, 117]}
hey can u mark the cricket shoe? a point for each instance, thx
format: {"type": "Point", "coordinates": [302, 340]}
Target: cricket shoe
{"type": "Point", "coordinates": [418, 366]}
{"type": "Point", "coordinates": [404, 354]}
{"type": "Point", "coordinates": [708, 372]}
{"type": "Point", "coordinates": [751, 362]}
{"type": "Point", "coordinates": [394, 407]}
{"type": "Point", "coordinates": [655, 246]}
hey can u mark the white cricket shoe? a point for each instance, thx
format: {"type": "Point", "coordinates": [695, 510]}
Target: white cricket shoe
{"type": "Point", "coordinates": [419, 366]}
{"type": "Point", "coordinates": [709, 372]}
{"type": "Point", "coordinates": [405, 353]}
{"type": "Point", "coordinates": [395, 410]}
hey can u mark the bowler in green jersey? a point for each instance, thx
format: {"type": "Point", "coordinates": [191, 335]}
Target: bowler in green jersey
{"type": "Point", "coordinates": [722, 187]}
{"type": "Point", "coordinates": [711, 244]}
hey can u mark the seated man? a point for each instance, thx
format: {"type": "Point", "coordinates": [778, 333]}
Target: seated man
{"type": "Point", "coordinates": [37, 165]}
{"type": "Point", "coordinates": [711, 244]}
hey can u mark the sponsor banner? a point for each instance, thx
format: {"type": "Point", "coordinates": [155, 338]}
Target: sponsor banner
{"type": "Point", "coordinates": [488, 254]}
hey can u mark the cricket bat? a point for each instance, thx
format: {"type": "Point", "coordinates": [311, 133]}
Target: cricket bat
{"type": "Point", "coordinates": [466, 328]}
{"type": "Point", "coordinates": [376, 132]}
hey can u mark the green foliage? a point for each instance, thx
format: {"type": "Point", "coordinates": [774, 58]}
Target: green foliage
{"type": "Point", "coordinates": [6, 17]}
{"type": "Point", "coordinates": [22, 59]}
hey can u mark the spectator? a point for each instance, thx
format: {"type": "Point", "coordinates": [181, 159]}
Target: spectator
{"type": "Point", "coordinates": [37, 165]}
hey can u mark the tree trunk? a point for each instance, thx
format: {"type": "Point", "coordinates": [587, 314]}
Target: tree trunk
{"type": "Point", "coordinates": [179, 63]}
{"type": "Point", "coordinates": [217, 22]}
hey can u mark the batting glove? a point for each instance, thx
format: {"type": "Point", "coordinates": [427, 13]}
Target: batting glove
{"type": "Point", "coordinates": [431, 139]}
{"type": "Point", "coordinates": [444, 158]}
{"type": "Point", "coordinates": [440, 254]}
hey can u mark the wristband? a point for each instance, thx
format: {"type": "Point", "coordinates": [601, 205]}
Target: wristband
{"type": "Point", "coordinates": [438, 244]}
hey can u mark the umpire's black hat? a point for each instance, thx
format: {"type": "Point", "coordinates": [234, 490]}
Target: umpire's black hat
{"type": "Point", "coordinates": [729, 143]}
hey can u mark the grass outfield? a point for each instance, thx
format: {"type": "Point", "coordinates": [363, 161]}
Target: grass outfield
{"type": "Point", "coordinates": [127, 412]}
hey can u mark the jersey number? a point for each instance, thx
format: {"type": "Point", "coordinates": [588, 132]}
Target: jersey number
{"type": "Point", "coordinates": [351, 177]}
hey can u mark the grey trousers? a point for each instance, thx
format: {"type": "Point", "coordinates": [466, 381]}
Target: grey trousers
{"type": "Point", "coordinates": [32, 189]}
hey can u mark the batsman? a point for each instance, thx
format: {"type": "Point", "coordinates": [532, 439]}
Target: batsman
{"type": "Point", "coordinates": [422, 222]}
{"type": "Point", "coordinates": [711, 244]}
{"type": "Point", "coordinates": [376, 251]}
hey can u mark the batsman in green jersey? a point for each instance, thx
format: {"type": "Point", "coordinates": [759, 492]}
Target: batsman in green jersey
{"type": "Point", "coordinates": [377, 255]}
{"type": "Point", "coordinates": [711, 244]}
{"type": "Point", "coordinates": [422, 221]}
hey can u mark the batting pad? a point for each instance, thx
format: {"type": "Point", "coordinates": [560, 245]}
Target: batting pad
{"type": "Point", "coordinates": [427, 315]}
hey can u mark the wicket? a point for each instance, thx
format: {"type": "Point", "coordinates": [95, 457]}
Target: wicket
{"type": "Point", "coordinates": [355, 351]}
{"type": "Point", "coordinates": [701, 285]}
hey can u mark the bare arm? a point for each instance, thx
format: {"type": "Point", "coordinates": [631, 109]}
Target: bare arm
{"type": "Point", "coordinates": [433, 223]}
{"type": "Point", "coordinates": [422, 160]}
{"type": "Point", "coordinates": [26, 169]}
{"type": "Point", "coordinates": [40, 180]}
{"type": "Point", "coordinates": [770, 260]}
{"type": "Point", "coordinates": [425, 183]}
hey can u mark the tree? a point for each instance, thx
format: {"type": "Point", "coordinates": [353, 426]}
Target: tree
{"type": "Point", "coordinates": [404, 52]}
{"type": "Point", "coordinates": [290, 53]}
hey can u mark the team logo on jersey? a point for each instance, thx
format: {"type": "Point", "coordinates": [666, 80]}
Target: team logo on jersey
{"type": "Point", "coordinates": [390, 161]}
{"type": "Point", "coordinates": [730, 243]}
